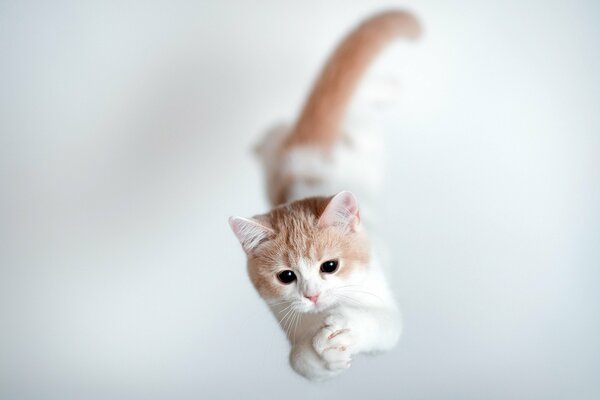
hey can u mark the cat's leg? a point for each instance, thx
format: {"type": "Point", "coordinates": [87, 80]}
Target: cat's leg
{"type": "Point", "coordinates": [334, 342]}
{"type": "Point", "coordinates": [319, 360]}
{"type": "Point", "coordinates": [360, 330]}
{"type": "Point", "coordinates": [318, 364]}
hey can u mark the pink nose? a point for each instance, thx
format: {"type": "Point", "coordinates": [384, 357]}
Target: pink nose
{"type": "Point", "coordinates": [313, 298]}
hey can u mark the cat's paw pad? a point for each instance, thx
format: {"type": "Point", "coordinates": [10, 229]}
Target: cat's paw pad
{"type": "Point", "coordinates": [337, 358]}
{"type": "Point", "coordinates": [333, 342]}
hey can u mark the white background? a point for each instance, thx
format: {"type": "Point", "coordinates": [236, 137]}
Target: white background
{"type": "Point", "coordinates": [125, 136]}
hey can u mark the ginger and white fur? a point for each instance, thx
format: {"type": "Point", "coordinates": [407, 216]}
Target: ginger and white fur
{"type": "Point", "coordinates": [329, 318]}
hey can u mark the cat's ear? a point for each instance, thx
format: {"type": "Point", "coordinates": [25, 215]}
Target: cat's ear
{"type": "Point", "coordinates": [341, 212]}
{"type": "Point", "coordinates": [250, 232]}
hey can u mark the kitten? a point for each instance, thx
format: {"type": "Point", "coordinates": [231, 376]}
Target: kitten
{"type": "Point", "coordinates": [310, 257]}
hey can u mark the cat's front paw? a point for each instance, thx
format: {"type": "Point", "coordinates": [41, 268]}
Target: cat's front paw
{"type": "Point", "coordinates": [334, 342]}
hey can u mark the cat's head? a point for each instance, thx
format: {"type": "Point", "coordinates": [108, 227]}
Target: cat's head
{"type": "Point", "coordinates": [308, 254]}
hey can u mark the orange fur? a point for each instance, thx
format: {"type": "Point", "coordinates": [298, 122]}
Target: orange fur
{"type": "Point", "coordinates": [298, 235]}
{"type": "Point", "coordinates": [319, 123]}
{"type": "Point", "coordinates": [320, 120]}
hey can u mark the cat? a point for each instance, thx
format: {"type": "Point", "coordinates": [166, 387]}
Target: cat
{"type": "Point", "coordinates": [310, 258]}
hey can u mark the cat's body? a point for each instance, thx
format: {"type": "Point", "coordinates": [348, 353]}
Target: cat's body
{"type": "Point", "coordinates": [310, 257]}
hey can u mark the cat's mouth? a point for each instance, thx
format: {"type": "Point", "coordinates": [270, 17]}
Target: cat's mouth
{"type": "Point", "coordinates": [316, 307]}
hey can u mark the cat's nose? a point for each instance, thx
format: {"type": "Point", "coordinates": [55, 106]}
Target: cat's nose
{"type": "Point", "coordinates": [313, 297]}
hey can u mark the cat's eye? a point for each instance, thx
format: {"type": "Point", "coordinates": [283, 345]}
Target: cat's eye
{"type": "Point", "coordinates": [286, 277]}
{"type": "Point", "coordinates": [329, 267]}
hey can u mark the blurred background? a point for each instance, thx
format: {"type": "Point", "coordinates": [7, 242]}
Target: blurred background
{"type": "Point", "coordinates": [125, 137]}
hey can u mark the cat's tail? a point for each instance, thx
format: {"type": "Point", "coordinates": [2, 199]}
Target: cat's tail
{"type": "Point", "coordinates": [320, 121]}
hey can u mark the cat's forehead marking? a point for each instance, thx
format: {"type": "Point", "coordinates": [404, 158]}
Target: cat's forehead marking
{"type": "Point", "coordinates": [304, 265]}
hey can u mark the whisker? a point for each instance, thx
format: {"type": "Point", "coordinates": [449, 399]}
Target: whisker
{"type": "Point", "coordinates": [345, 288]}
{"type": "Point", "coordinates": [288, 324]}
{"type": "Point", "coordinates": [292, 339]}
{"type": "Point", "coordinates": [285, 316]}
{"type": "Point", "coordinates": [278, 303]}
{"type": "Point", "coordinates": [286, 308]}
{"type": "Point", "coordinates": [298, 321]}
{"type": "Point", "coordinates": [350, 299]}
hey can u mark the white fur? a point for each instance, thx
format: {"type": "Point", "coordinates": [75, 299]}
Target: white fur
{"type": "Point", "coordinates": [354, 315]}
